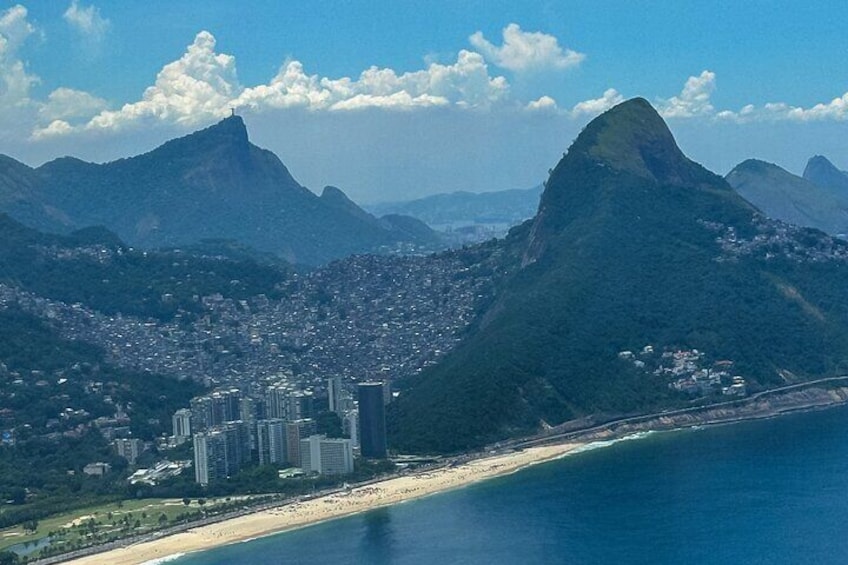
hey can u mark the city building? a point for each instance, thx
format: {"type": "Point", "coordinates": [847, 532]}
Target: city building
{"type": "Point", "coordinates": [372, 420]}
{"type": "Point", "coordinates": [128, 448]}
{"type": "Point", "coordinates": [251, 410]}
{"type": "Point", "coordinates": [221, 451]}
{"type": "Point", "coordinates": [276, 401]}
{"type": "Point", "coordinates": [300, 405]}
{"type": "Point", "coordinates": [215, 409]}
{"type": "Point", "coordinates": [181, 422]}
{"type": "Point", "coordinates": [202, 414]}
{"type": "Point", "coordinates": [387, 391]}
{"type": "Point", "coordinates": [350, 426]}
{"type": "Point", "coordinates": [209, 457]}
{"type": "Point", "coordinates": [97, 469]}
{"type": "Point", "coordinates": [334, 394]}
{"type": "Point", "coordinates": [238, 445]}
{"type": "Point", "coordinates": [296, 431]}
{"type": "Point", "coordinates": [271, 441]}
{"type": "Point", "coordinates": [226, 405]}
{"type": "Point", "coordinates": [326, 456]}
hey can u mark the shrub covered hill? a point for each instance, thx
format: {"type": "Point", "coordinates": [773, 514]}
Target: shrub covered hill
{"type": "Point", "coordinates": [637, 257]}
{"type": "Point", "coordinates": [93, 267]}
{"type": "Point", "coordinates": [212, 184]}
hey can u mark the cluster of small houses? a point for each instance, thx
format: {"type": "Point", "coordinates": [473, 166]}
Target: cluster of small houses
{"type": "Point", "coordinates": [777, 239]}
{"type": "Point", "coordinates": [688, 371]}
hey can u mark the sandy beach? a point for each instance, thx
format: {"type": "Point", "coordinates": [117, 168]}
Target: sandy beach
{"type": "Point", "coordinates": [299, 514]}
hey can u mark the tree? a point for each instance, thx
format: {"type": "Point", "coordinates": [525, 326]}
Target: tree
{"type": "Point", "coordinates": [163, 519]}
{"type": "Point", "coordinates": [186, 501]}
{"type": "Point", "coordinates": [17, 495]}
{"type": "Point", "coordinates": [30, 525]}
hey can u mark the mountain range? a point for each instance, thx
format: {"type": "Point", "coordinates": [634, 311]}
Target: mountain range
{"type": "Point", "coordinates": [818, 199]}
{"type": "Point", "coordinates": [212, 184]}
{"type": "Point", "coordinates": [643, 282]}
{"type": "Point", "coordinates": [462, 208]}
{"type": "Point", "coordinates": [643, 278]}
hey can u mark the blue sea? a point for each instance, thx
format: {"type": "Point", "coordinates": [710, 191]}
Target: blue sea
{"type": "Point", "coordinates": [773, 491]}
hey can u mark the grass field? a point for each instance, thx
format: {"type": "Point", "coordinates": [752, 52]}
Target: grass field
{"type": "Point", "coordinates": [105, 522]}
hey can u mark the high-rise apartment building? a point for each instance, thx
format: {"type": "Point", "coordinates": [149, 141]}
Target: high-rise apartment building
{"type": "Point", "coordinates": [296, 431]}
{"type": "Point", "coordinates": [326, 456]}
{"type": "Point", "coordinates": [181, 422]}
{"type": "Point", "coordinates": [220, 451]}
{"type": "Point", "coordinates": [372, 420]}
{"type": "Point", "coordinates": [271, 441]}
{"type": "Point", "coordinates": [334, 394]}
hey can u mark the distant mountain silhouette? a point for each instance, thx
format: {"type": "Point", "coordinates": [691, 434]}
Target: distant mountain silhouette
{"type": "Point", "coordinates": [784, 196]}
{"type": "Point", "coordinates": [22, 197]}
{"type": "Point", "coordinates": [462, 208]}
{"type": "Point", "coordinates": [212, 184]}
{"type": "Point", "coordinates": [824, 174]}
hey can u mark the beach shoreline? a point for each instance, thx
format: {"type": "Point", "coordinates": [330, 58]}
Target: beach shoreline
{"type": "Point", "coordinates": [299, 514]}
{"type": "Point", "coordinates": [455, 474]}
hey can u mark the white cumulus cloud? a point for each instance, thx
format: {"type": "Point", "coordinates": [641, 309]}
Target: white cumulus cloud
{"type": "Point", "coordinates": [836, 110]}
{"type": "Point", "coordinates": [464, 83]}
{"type": "Point", "coordinates": [198, 86]}
{"type": "Point", "coordinates": [203, 85]}
{"type": "Point", "coordinates": [65, 103]}
{"type": "Point", "coordinates": [15, 81]}
{"type": "Point", "coordinates": [53, 129]}
{"type": "Point", "coordinates": [693, 100]}
{"type": "Point", "coordinates": [64, 106]}
{"type": "Point", "coordinates": [543, 104]}
{"type": "Point", "coordinates": [87, 21]}
{"type": "Point", "coordinates": [526, 51]}
{"type": "Point", "coordinates": [596, 106]}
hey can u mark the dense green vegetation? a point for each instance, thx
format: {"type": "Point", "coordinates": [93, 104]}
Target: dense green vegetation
{"type": "Point", "coordinates": [50, 391]}
{"type": "Point", "coordinates": [92, 267]}
{"type": "Point", "coordinates": [616, 260]}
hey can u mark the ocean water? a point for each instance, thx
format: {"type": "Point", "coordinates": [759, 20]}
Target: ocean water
{"type": "Point", "coordinates": [768, 492]}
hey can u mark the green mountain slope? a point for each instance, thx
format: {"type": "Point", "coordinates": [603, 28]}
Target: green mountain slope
{"type": "Point", "coordinates": [93, 267]}
{"type": "Point", "coordinates": [21, 196]}
{"type": "Point", "coordinates": [634, 245]}
{"type": "Point", "coordinates": [43, 376]}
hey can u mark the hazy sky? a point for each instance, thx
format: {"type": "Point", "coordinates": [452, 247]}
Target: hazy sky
{"type": "Point", "coordinates": [390, 100]}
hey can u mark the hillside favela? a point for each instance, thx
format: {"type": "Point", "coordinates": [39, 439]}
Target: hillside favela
{"type": "Point", "coordinates": [324, 282]}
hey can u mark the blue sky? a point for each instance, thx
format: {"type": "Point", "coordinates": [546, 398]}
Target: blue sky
{"type": "Point", "coordinates": [395, 99]}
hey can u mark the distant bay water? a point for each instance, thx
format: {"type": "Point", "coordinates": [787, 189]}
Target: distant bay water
{"type": "Point", "coordinates": [773, 491]}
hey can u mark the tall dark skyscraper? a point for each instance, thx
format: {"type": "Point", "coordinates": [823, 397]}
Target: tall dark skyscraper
{"type": "Point", "coordinates": [372, 421]}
